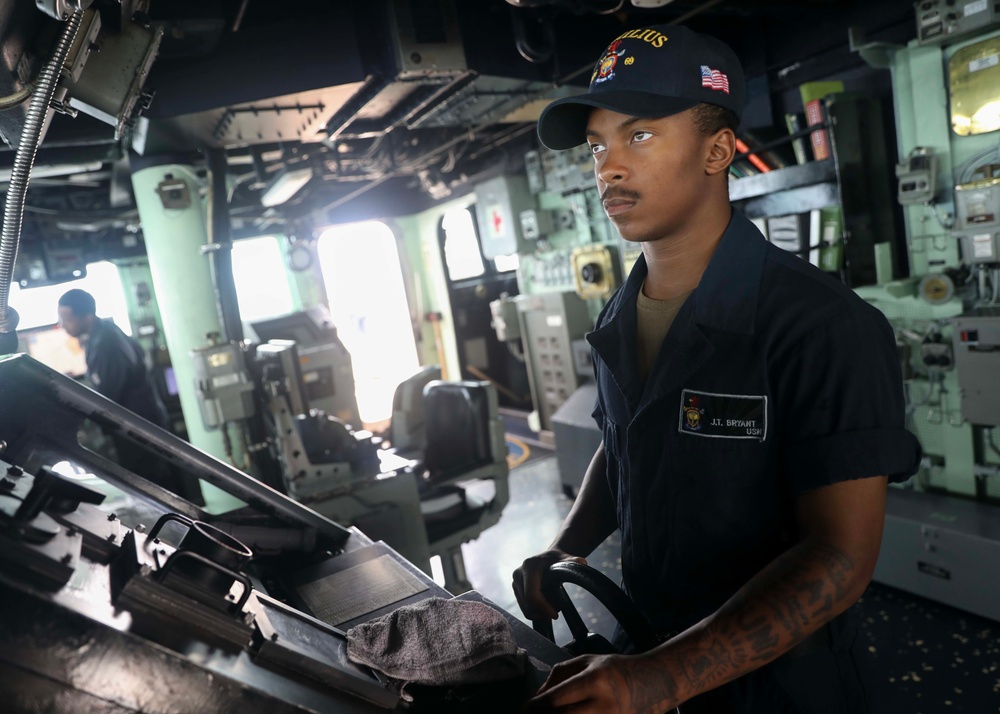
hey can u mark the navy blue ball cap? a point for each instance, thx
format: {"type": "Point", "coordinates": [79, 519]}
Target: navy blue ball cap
{"type": "Point", "coordinates": [650, 72]}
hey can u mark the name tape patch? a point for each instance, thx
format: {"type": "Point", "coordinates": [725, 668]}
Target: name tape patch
{"type": "Point", "coordinates": [723, 416]}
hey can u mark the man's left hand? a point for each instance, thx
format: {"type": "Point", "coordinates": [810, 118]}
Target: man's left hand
{"type": "Point", "coordinates": [607, 684]}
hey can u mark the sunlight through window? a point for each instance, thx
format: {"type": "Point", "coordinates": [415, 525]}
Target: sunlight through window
{"type": "Point", "coordinates": [368, 305]}
{"type": "Point", "coordinates": [461, 245]}
{"type": "Point", "coordinates": [262, 288]}
{"type": "Point", "coordinates": [38, 307]}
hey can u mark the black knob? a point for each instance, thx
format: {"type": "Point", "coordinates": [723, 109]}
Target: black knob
{"type": "Point", "coordinates": [591, 273]}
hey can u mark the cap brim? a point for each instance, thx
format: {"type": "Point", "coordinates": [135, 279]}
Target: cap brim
{"type": "Point", "coordinates": [563, 123]}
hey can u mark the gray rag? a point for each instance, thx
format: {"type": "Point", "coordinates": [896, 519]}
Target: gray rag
{"type": "Point", "coordinates": [439, 642]}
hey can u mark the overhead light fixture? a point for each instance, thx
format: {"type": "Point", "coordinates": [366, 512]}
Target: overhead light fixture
{"type": "Point", "coordinates": [49, 170]}
{"type": "Point", "coordinates": [651, 3]}
{"type": "Point", "coordinates": [285, 185]}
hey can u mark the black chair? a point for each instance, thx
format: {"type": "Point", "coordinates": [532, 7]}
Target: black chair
{"type": "Point", "coordinates": [464, 484]}
{"type": "Point", "coordinates": [407, 430]}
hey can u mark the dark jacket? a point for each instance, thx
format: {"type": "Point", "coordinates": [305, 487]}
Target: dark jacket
{"type": "Point", "coordinates": [117, 369]}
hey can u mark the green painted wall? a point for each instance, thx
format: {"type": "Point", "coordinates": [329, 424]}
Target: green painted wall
{"type": "Point", "coordinates": [426, 285]}
{"type": "Point", "coordinates": [921, 99]}
{"type": "Point", "coordinates": [182, 279]}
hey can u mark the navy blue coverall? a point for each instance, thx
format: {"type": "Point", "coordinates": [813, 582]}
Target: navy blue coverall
{"type": "Point", "coordinates": [773, 380]}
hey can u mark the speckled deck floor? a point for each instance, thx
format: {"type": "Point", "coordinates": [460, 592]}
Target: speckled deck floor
{"type": "Point", "coordinates": [924, 658]}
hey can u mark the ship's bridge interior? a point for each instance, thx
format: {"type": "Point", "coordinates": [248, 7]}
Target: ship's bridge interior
{"type": "Point", "coordinates": [360, 289]}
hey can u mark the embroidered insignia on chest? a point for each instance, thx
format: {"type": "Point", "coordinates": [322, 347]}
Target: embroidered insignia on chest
{"type": "Point", "coordinates": [692, 414]}
{"type": "Point", "coordinates": [723, 416]}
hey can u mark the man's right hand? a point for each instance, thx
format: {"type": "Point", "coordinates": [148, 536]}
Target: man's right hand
{"type": "Point", "coordinates": [527, 583]}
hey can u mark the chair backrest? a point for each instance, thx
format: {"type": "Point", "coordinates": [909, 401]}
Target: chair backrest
{"type": "Point", "coordinates": [458, 419]}
{"type": "Point", "coordinates": [407, 428]}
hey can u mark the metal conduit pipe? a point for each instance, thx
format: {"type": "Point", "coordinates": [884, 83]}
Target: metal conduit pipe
{"type": "Point", "coordinates": [24, 159]}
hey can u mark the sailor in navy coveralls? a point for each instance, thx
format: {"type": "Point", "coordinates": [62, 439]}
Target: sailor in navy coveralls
{"type": "Point", "coordinates": [752, 413]}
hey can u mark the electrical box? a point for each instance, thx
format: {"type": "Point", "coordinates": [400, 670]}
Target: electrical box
{"type": "Point", "coordinates": [426, 39]}
{"type": "Point", "coordinates": [977, 206]}
{"type": "Point", "coordinates": [537, 224]}
{"type": "Point", "coordinates": [577, 437]}
{"type": "Point", "coordinates": [976, 342]}
{"type": "Point", "coordinates": [940, 21]}
{"type": "Point", "coordinates": [917, 177]}
{"type": "Point", "coordinates": [499, 204]}
{"type": "Point", "coordinates": [560, 171]}
{"type": "Point", "coordinates": [328, 380]}
{"type": "Point", "coordinates": [550, 324]}
{"type": "Point", "coordinates": [110, 87]}
{"type": "Point", "coordinates": [224, 389]}
{"type": "Point", "coordinates": [504, 319]}
{"type": "Point", "coordinates": [981, 247]}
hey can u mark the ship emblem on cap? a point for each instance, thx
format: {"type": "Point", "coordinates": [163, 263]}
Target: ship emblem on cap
{"type": "Point", "coordinates": [605, 68]}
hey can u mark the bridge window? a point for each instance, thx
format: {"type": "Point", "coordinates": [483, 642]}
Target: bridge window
{"type": "Point", "coordinates": [461, 245]}
{"type": "Point", "coordinates": [38, 307]}
{"type": "Point", "coordinates": [364, 284]}
{"type": "Point", "coordinates": [262, 288]}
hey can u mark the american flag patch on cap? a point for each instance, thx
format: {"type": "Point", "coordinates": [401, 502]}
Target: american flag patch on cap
{"type": "Point", "coordinates": [714, 79]}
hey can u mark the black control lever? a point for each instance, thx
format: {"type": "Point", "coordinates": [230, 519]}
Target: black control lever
{"type": "Point", "coordinates": [50, 488]}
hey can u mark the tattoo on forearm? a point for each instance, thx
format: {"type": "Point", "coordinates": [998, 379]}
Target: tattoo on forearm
{"type": "Point", "coordinates": [645, 690]}
{"type": "Point", "coordinates": [803, 595]}
{"type": "Point", "coordinates": [759, 631]}
{"type": "Point", "coordinates": [815, 590]}
{"type": "Point", "coordinates": [838, 565]}
{"type": "Point", "coordinates": [765, 621]}
{"type": "Point", "coordinates": [707, 665]}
